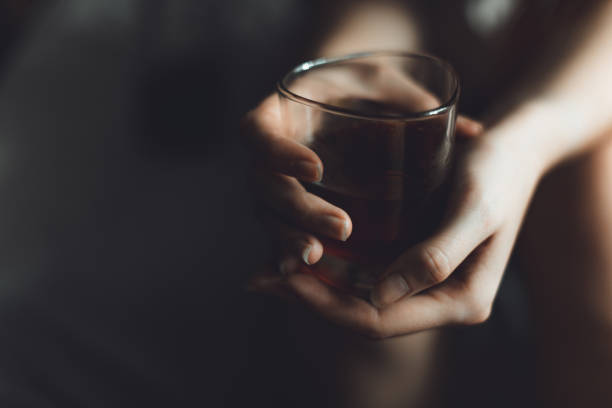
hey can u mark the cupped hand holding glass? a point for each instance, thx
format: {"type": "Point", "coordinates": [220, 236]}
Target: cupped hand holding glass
{"type": "Point", "coordinates": [385, 136]}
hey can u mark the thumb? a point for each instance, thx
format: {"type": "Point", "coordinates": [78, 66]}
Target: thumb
{"type": "Point", "coordinates": [432, 261]}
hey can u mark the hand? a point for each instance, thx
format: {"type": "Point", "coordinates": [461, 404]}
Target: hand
{"type": "Point", "coordinates": [293, 216]}
{"type": "Point", "coordinates": [298, 217]}
{"type": "Point", "coordinates": [452, 277]}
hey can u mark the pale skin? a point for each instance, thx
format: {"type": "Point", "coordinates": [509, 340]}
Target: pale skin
{"type": "Point", "coordinates": [452, 277]}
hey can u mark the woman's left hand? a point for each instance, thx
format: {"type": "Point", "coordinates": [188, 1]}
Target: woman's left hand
{"type": "Point", "coordinates": [453, 276]}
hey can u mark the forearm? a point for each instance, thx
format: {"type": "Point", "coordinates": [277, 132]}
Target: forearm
{"type": "Point", "coordinates": [370, 25]}
{"type": "Point", "coordinates": [572, 112]}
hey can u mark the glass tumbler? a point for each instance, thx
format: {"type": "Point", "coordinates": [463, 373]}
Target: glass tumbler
{"type": "Point", "coordinates": [383, 124]}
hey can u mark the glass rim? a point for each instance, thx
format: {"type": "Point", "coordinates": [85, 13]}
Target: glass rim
{"type": "Point", "coordinates": [308, 65]}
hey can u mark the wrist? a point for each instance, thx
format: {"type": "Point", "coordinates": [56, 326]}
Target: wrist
{"type": "Point", "coordinates": [531, 133]}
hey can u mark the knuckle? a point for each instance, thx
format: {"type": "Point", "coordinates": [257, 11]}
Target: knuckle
{"type": "Point", "coordinates": [478, 309]}
{"type": "Point", "coordinates": [435, 264]}
{"type": "Point", "coordinates": [482, 204]}
{"type": "Point", "coordinates": [289, 202]}
{"type": "Point", "coordinates": [373, 327]}
{"type": "Point", "coordinates": [297, 210]}
{"type": "Point", "coordinates": [480, 315]}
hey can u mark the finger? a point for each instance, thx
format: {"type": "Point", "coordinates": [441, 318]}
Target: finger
{"type": "Point", "coordinates": [404, 93]}
{"type": "Point", "coordinates": [412, 96]}
{"type": "Point", "coordinates": [272, 150]}
{"type": "Point", "coordinates": [415, 314]}
{"type": "Point", "coordinates": [294, 243]}
{"type": "Point", "coordinates": [289, 198]}
{"type": "Point", "coordinates": [409, 94]}
{"type": "Point", "coordinates": [471, 290]}
{"type": "Point", "coordinates": [337, 306]}
{"type": "Point", "coordinates": [410, 315]}
{"type": "Point", "coordinates": [432, 261]}
{"type": "Point", "coordinates": [484, 280]}
{"type": "Point", "coordinates": [454, 302]}
{"type": "Point", "coordinates": [468, 128]}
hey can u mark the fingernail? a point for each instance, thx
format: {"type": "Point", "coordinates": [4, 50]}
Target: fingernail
{"type": "Point", "coordinates": [389, 290]}
{"type": "Point", "coordinates": [335, 225]}
{"type": "Point", "coordinates": [306, 253]}
{"type": "Point", "coordinates": [309, 170]}
{"type": "Point", "coordinates": [287, 266]}
{"type": "Point", "coordinates": [345, 229]}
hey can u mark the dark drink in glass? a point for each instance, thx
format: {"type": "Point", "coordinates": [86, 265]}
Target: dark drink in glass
{"type": "Point", "coordinates": [386, 159]}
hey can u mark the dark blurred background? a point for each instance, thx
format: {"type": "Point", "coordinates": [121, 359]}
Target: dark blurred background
{"type": "Point", "coordinates": [126, 226]}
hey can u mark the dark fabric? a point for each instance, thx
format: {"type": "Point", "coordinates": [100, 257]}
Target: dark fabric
{"type": "Point", "coordinates": [126, 229]}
